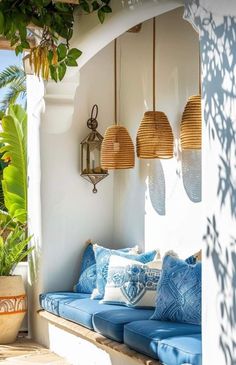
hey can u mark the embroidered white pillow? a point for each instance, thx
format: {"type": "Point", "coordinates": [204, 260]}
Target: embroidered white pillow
{"type": "Point", "coordinates": [132, 283]}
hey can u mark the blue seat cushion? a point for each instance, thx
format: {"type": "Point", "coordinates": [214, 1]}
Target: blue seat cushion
{"type": "Point", "coordinates": [111, 323]}
{"type": "Point", "coordinates": [145, 336]}
{"type": "Point", "coordinates": [181, 350]}
{"type": "Point", "coordinates": [76, 307]}
{"type": "Point", "coordinates": [53, 302]}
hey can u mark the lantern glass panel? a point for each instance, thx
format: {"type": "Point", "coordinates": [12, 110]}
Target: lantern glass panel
{"type": "Point", "coordinates": [95, 157]}
{"type": "Point", "coordinates": [91, 157]}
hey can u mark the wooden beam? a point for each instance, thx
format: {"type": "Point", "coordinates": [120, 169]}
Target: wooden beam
{"type": "Point", "coordinates": [6, 45]}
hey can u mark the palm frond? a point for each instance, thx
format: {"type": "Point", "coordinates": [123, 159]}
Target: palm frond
{"type": "Point", "coordinates": [11, 96]}
{"type": "Point", "coordinates": [12, 75]}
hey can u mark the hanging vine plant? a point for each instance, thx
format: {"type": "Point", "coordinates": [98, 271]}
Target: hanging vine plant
{"type": "Point", "coordinates": [54, 22]}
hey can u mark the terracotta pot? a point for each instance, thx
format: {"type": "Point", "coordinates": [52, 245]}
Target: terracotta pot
{"type": "Point", "coordinates": [13, 307]}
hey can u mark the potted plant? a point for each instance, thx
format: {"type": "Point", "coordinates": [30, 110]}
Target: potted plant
{"type": "Point", "coordinates": [13, 221]}
{"type": "Point", "coordinates": [13, 249]}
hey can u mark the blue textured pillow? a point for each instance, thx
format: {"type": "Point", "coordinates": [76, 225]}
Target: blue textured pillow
{"type": "Point", "coordinates": [102, 256]}
{"type": "Point", "coordinates": [179, 292]}
{"type": "Point", "coordinates": [88, 272]}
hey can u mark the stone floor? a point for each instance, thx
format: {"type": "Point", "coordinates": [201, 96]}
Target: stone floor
{"type": "Point", "coordinates": [26, 352]}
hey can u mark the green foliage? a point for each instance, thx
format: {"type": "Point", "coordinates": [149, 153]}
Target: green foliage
{"type": "Point", "coordinates": [13, 77]}
{"type": "Point", "coordinates": [14, 181]}
{"type": "Point", "coordinates": [13, 249]}
{"type": "Point", "coordinates": [56, 21]}
{"type": "Point", "coordinates": [66, 57]}
{"type": "Point", "coordinates": [6, 220]}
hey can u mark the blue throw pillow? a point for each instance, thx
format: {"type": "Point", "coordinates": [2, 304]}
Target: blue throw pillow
{"type": "Point", "coordinates": [102, 256]}
{"type": "Point", "coordinates": [179, 292]}
{"type": "Point", "coordinates": [88, 272]}
{"type": "Point", "coordinates": [191, 260]}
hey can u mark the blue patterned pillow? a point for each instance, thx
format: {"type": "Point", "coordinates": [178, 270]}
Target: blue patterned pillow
{"type": "Point", "coordinates": [179, 292]}
{"type": "Point", "coordinates": [88, 272]}
{"type": "Point", "coordinates": [131, 283]}
{"type": "Point", "coordinates": [102, 256]}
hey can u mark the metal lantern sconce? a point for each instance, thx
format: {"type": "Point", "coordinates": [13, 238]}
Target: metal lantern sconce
{"type": "Point", "coordinates": [91, 169]}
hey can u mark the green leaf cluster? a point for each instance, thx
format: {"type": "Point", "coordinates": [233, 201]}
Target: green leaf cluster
{"type": "Point", "coordinates": [66, 57]}
{"type": "Point", "coordinates": [18, 16]}
{"type": "Point", "coordinates": [101, 7]}
{"type": "Point", "coordinates": [13, 249]}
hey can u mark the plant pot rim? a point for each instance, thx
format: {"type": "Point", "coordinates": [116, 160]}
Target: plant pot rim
{"type": "Point", "coordinates": [9, 276]}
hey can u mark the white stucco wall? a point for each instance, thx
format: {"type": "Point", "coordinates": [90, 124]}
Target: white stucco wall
{"type": "Point", "coordinates": [72, 214]}
{"type": "Point", "coordinates": [63, 211]}
{"type": "Point", "coordinates": [215, 22]}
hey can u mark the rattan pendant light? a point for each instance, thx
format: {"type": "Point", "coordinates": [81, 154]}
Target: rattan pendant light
{"type": "Point", "coordinates": [117, 150]}
{"type": "Point", "coordinates": [155, 137]}
{"type": "Point", "coordinates": [191, 123]}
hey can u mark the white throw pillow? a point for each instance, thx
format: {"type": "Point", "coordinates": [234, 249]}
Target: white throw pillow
{"type": "Point", "coordinates": [132, 283]}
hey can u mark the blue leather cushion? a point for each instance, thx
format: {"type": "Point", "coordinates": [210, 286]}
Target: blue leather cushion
{"type": "Point", "coordinates": [75, 307]}
{"type": "Point", "coordinates": [181, 350]}
{"type": "Point", "coordinates": [179, 292]}
{"type": "Point", "coordinates": [52, 302]}
{"type": "Point", "coordinates": [145, 336]}
{"type": "Point", "coordinates": [102, 256]}
{"type": "Point", "coordinates": [111, 323]}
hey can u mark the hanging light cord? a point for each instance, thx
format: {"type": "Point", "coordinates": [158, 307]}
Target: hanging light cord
{"type": "Point", "coordinates": [199, 71]}
{"type": "Point", "coordinates": [154, 64]}
{"type": "Point", "coordinates": [115, 80]}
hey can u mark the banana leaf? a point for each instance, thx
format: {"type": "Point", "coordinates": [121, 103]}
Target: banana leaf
{"type": "Point", "coordinates": [14, 183]}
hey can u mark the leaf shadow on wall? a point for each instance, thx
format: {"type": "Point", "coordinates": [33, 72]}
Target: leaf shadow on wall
{"type": "Point", "coordinates": [192, 174]}
{"type": "Point", "coordinates": [220, 106]}
{"type": "Point", "coordinates": [224, 263]}
{"type": "Point", "coordinates": [157, 186]}
{"type": "Point", "coordinates": [218, 57]}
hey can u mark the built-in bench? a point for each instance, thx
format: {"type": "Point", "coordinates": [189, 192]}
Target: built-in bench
{"type": "Point", "coordinates": [127, 331]}
{"type": "Point", "coordinates": [98, 339]}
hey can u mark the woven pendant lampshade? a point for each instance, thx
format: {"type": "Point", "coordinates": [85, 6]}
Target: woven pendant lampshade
{"type": "Point", "coordinates": [191, 125]}
{"type": "Point", "coordinates": [155, 137]}
{"type": "Point", "coordinates": [117, 150]}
